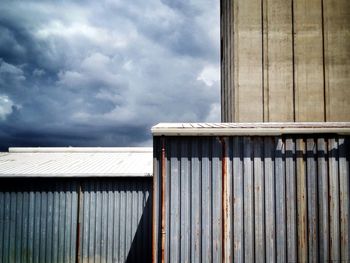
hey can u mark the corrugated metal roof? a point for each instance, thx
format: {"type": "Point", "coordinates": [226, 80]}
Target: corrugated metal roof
{"type": "Point", "coordinates": [76, 162]}
{"type": "Point", "coordinates": [261, 129]}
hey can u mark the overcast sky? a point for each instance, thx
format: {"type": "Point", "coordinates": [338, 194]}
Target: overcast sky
{"type": "Point", "coordinates": [101, 73]}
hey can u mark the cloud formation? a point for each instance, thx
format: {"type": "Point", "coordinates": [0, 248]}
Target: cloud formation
{"type": "Point", "coordinates": [101, 73]}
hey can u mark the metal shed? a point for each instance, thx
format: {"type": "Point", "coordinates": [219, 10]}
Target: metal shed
{"type": "Point", "coordinates": [75, 205]}
{"type": "Point", "coordinates": [251, 192]}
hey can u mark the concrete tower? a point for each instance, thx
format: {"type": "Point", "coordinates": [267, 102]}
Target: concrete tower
{"type": "Point", "coordinates": [285, 60]}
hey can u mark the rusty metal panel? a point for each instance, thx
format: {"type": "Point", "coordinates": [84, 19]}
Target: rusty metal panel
{"type": "Point", "coordinates": [291, 200]}
{"type": "Point", "coordinates": [344, 200]}
{"type": "Point", "coordinates": [115, 223]}
{"type": "Point", "coordinates": [323, 195]}
{"type": "Point", "coordinates": [252, 198]}
{"type": "Point", "coordinates": [191, 208]}
{"type": "Point", "coordinates": [301, 199]}
{"type": "Point", "coordinates": [270, 198]}
{"type": "Point", "coordinates": [259, 200]}
{"type": "Point", "coordinates": [38, 220]}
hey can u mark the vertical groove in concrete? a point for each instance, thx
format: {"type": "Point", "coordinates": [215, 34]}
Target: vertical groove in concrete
{"type": "Point", "coordinates": [232, 57]}
{"type": "Point", "coordinates": [229, 60]}
{"type": "Point", "coordinates": [323, 67]}
{"type": "Point", "coordinates": [293, 63]}
{"type": "Point", "coordinates": [262, 59]}
{"type": "Point", "coordinates": [222, 78]}
{"type": "Point", "coordinates": [266, 61]}
{"type": "Point", "coordinates": [234, 84]}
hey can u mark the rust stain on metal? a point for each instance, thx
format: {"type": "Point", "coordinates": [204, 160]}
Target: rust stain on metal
{"type": "Point", "coordinates": [302, 202]}
{"type": "Point", "coordinates": [224, 196]}
{"type": "Point", "coordinates": [154, 219]}
{"type": "Point", "coordinates": [163, 201]}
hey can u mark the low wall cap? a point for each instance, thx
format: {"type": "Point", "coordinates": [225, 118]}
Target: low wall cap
{"type": "Point", "coordinates": [258, 129]}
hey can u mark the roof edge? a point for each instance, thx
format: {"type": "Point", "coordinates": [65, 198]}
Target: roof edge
{"type": "Point", "coordinates": [74, 175]}
{"type": "Point", "coordinates": [80, 149]}
{"type": "Point", "coordinates": [250, 129]}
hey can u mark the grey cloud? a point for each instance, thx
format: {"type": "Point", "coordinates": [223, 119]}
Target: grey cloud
{"type": "Point", "coordinates": [101, 73]}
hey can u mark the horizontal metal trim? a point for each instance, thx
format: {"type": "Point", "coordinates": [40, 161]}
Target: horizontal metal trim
{"type": "Point", "coordinates": [68, 175]}
{"type": "Point", "coordinates": [79, 149]}
{"type": "Point", "coordinates": [249, 129]}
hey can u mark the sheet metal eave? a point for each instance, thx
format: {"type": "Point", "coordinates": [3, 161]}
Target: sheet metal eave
{"type": "Point", "coordinates": [80, 149]}
{"type": "Point", "coordinates": [76, 162]}
{"type": "Point", "coordinates": [249, 129]}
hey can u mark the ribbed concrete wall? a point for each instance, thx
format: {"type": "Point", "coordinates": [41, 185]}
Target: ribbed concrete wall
{"type": "Point", "coordinates": [285, 60]}
{"type": "Point", "coordinates": [252, 198]}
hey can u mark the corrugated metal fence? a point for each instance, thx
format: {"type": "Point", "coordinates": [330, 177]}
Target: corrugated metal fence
{"type": "Point", "coordinates": [39, 220]}
{"type": "Point", "coordinates": [253, 199]}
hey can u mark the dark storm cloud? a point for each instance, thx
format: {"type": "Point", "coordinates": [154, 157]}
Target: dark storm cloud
{"type": "Point", "coordinates": [101, 73]}
{"type": "Point", "coordinates": [19, 46]}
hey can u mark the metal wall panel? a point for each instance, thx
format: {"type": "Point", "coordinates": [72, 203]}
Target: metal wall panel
{"type": "Point", "coordinates": [38, 220]}
{"type": "Point", "coordinates": [192, 200]}
{"type": "Point", "coordinates": [253, 198]}
{"type": "Point", "coordinates": [115, 220]}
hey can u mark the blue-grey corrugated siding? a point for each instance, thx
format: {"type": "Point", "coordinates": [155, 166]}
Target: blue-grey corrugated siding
{"type": "Point", "coordinates": [288, 198]}
{"type": "Point", "coordinates": [192, 200]}
{"type": "Point", "coordinates": [116, 220]}
{"type": "Point", "coordinates": [38, 220]}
